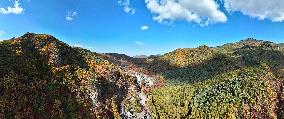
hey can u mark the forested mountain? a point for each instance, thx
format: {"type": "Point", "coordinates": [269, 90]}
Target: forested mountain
{"type": "Point", "coordinates": [237, 80]}
{"type": "Point", "coordinates": [42, 77]}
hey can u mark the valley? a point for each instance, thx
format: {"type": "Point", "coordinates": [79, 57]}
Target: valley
{"type": "Point", "coordinates": [44, 77]}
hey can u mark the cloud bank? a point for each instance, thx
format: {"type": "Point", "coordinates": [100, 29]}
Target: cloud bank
{"type": "Point", "coordinates": [203, 12]}
{"type": "Point", "coordinates": [16, 9]}
{"type": "Point", "coordinates": [261, 9]}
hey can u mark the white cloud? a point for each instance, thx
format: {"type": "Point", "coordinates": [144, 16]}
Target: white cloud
{"type": "Point", "coordinates": [203, 12]}
{"type": "Point", "coordinates": [127, 7]}
{"type": "Point", "coordinates": [83, 46]}
{"type": "Point", "coordinates": [144, 28]}
{"type": "Point", "coordinates": [261, 9]}
{"type": "Point", "coordinates": [78, 45]}
{"type": "Point", "coordinates": [2, 33]}
{"type": "Point", "coordinates": [70, 15]}
{"type": "Point", "coordinates": [16, 9]}
{"type": "Point", "coordinates": [138, 43]}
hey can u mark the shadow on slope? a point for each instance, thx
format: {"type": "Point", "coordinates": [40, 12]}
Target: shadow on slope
{"type": "Point", "coordinates": [220, 63]}
{"type": "Point", "coordinates": [246, 84]}
{"type": "Point", "coordinates": [251, 56]}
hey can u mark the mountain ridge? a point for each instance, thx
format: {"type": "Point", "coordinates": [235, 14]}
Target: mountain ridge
{"type": "Point", "coordinates": [50, 79]}
{"type": "Point", "coordinates": [242, 77]}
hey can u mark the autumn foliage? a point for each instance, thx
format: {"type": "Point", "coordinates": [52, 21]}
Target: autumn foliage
{"type": "Point", "coordinates": [42, 77]}
{"type": "Point", "coordinates": [238, 80]}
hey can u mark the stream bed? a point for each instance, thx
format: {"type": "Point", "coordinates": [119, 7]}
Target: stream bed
{"type": "Point", "coordinates": [142, 97]}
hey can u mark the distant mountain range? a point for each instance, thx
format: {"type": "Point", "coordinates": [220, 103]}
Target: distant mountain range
{"type": "Point", "coordinates": [42, 77]}
{"type": "Point", "coordinates": [140, 56]}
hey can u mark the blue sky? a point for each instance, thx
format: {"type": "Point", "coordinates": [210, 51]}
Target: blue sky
{"type": "Point", "coordinates": [136, 27]}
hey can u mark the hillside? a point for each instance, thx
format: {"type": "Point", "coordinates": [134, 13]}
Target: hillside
{"type": "Point", "coordinates": [236, 80]}
{"type": "Point", "coordinates": [42, 77]}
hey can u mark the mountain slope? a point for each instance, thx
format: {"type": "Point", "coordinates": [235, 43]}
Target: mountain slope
{"type": "Point", "coordinates": [42, 77]}
{"type": "Point", "coordinates": [237, 80]}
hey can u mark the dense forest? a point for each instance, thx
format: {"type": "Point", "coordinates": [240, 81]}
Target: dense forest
{"type": "Point", "coordinates": [236, 80]}
{"type": "Point", "coordinates": [42, 77]}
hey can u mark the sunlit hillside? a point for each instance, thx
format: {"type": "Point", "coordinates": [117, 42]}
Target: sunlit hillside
{"type": "Point", "coordinates": [42, 77]}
